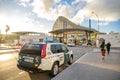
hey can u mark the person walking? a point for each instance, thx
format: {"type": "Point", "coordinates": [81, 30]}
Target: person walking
{"type": "Point", "coordinates": [102, 46]}
{"type": "Point", "coordinates": [108, 45]}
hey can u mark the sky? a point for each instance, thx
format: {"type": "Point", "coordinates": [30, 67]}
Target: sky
{"type": "Point", "coordinates": [40, 15]}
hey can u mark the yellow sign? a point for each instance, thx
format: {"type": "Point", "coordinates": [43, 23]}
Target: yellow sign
{"type": "Point", "coordinates": [92, 36]}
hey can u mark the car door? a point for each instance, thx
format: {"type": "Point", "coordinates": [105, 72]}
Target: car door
{"type": "Point", "coordinates": [66, 53]}
{"type": "Point", "coordinates": [58, 53]}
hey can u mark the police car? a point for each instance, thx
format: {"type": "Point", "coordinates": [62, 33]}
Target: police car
{"type": "Point", "coordinates": [44, 57]}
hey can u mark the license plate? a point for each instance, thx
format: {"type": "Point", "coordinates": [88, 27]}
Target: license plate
{"type": "Point", "coordinates": [28, 60]}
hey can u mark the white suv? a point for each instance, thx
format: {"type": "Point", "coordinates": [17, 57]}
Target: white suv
{"type": "Point", "coordinates": [44, 57]}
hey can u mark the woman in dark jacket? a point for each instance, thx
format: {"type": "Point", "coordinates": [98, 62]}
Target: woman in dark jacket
{"type": "Point", "coordinates": [102, 46]}
{"type": "Point", "coordinates": [108, 45]}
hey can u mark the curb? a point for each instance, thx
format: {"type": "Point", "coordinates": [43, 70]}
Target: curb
{"type": "Point", "coordinates": [9, 51]}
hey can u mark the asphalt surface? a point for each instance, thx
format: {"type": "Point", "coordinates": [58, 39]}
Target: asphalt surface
{"type": "Point", "coordinates": [91, 67]}
{"type": "Point", "coordinates": [9, 70]}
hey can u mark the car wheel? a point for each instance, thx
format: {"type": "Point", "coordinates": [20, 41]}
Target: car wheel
{"type": "Point", "coordinates": [70, 60]}
{"type": "Point", "coordinates": [55, 69]}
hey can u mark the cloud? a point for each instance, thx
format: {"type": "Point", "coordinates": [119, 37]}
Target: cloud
{"type": "Point", "coordinates": [108, 9]}
{"type": "Point", "coordinates": [105, 9]}
{"type": "Point", "coordinates": [65, 10]}
{"type": "Point", "coordinates": [79, 17]}
{"type": "Point", "coordinates": [24, 2]}
{"type": "Point", "coordinates": [51, 9]}
{"type": "Point", "coordinates": [103, 23]}
{"type": "Point", "coordinates": [42, 8]}
{"type": "Point", "coordinates": [20, 22]}
{"type": "Point", "coordinates": [76, 11]}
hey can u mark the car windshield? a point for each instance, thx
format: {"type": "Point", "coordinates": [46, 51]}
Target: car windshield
{"type": "Point", "coordinates": [34, 49]}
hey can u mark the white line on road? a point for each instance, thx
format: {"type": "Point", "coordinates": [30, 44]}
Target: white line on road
{"type": "Point", "coordinates": [21, 72]}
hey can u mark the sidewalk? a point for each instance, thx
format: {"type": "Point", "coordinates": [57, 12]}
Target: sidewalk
{"type": "Point", "coordinates": [92, 67]}
{"type": "Point", "coordinates": [5, 51]}
{"type": "Point", "coordinates": [8, 48]}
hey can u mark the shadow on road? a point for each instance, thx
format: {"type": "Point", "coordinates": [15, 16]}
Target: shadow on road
{"type": "Point", "coordinates": [40, 76]}
{"type": "Point", "coordinates": [45, 75]}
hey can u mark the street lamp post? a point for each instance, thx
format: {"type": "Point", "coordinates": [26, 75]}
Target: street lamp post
{"type": "Point", "coordinates": [0, 37]}
{"type": "Point", "coordinates": [97, 41]}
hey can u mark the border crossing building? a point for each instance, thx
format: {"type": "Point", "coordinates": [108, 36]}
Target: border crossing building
{"type": "Point", "coordinates": [64, 30]}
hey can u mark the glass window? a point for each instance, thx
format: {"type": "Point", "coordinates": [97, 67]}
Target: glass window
{"type": "Point", "coordinates": [64, 25]}
{"type": "Point", "coordinates": [56, 48]}
{"type": "Point", "coordinates": [30, 48]}
{"type": "Point", "coordinates": [53, 49]}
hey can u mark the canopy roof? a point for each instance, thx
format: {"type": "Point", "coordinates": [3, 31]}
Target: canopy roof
{"type": "Point", "coordinates": [26, 32]}
{"type": "Point", "coordinates": [72, 27]}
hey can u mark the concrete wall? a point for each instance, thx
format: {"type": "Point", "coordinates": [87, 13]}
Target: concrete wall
{"type": "Point", "coordinates": [33, 38]}
{"type": "Point", "coordinates": [113, 38]}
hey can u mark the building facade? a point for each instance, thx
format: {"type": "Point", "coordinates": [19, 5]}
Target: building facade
{"type": "Point", "coordinates": [64, 30]}
{"type": "Point", "coordinates": [114, 39]}
{"type": "Point", "coordinates": [25, 37]}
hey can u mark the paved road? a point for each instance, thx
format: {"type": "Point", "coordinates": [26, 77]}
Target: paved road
{"type": "Point", "coordinates": [91, 67]}
{"type": "Point", "coordinates": [80, 51]}
{"type": "Point", "coordinates": [9, 71]}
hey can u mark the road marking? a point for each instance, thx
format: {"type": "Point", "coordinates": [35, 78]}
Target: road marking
{"type": "Point", "coordinates": [21, 72]}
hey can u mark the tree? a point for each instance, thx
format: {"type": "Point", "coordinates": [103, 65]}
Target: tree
{"type": "Point", "coordinates": [6, 30]}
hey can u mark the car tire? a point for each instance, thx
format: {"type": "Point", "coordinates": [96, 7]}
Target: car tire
{"type": "Point", "coordinates": [55, 69]}
{"type": "Point", "coordinates": [70, 60]}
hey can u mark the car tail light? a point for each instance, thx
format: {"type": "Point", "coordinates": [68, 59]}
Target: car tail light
{"type": "Point", "coordinates": [43, 54]}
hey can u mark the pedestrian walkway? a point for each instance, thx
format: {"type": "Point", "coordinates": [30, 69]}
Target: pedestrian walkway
{"type": "Point", "coordinates": [8, 48]}
{"type": "Point", "coordinates": [92, 67]}
{"type": "Point", "coordinates": [4, 50]}
{"type": "Point", "coordinates": [9, 51]}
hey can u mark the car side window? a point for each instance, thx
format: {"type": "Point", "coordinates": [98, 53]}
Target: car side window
{"type": "Point", "coordinates": [53, 49]}
{"type": "Point", "coordinates": [56, 49]}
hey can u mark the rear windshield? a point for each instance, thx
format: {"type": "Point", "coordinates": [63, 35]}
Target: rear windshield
{"type": "Point", "coordinates": [34, 49]}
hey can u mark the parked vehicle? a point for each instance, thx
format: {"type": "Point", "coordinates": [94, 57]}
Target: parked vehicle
{"type": "Point", "coordinates": [44, 57]}
{"type": "Point", "coordinates": [71, 44]}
